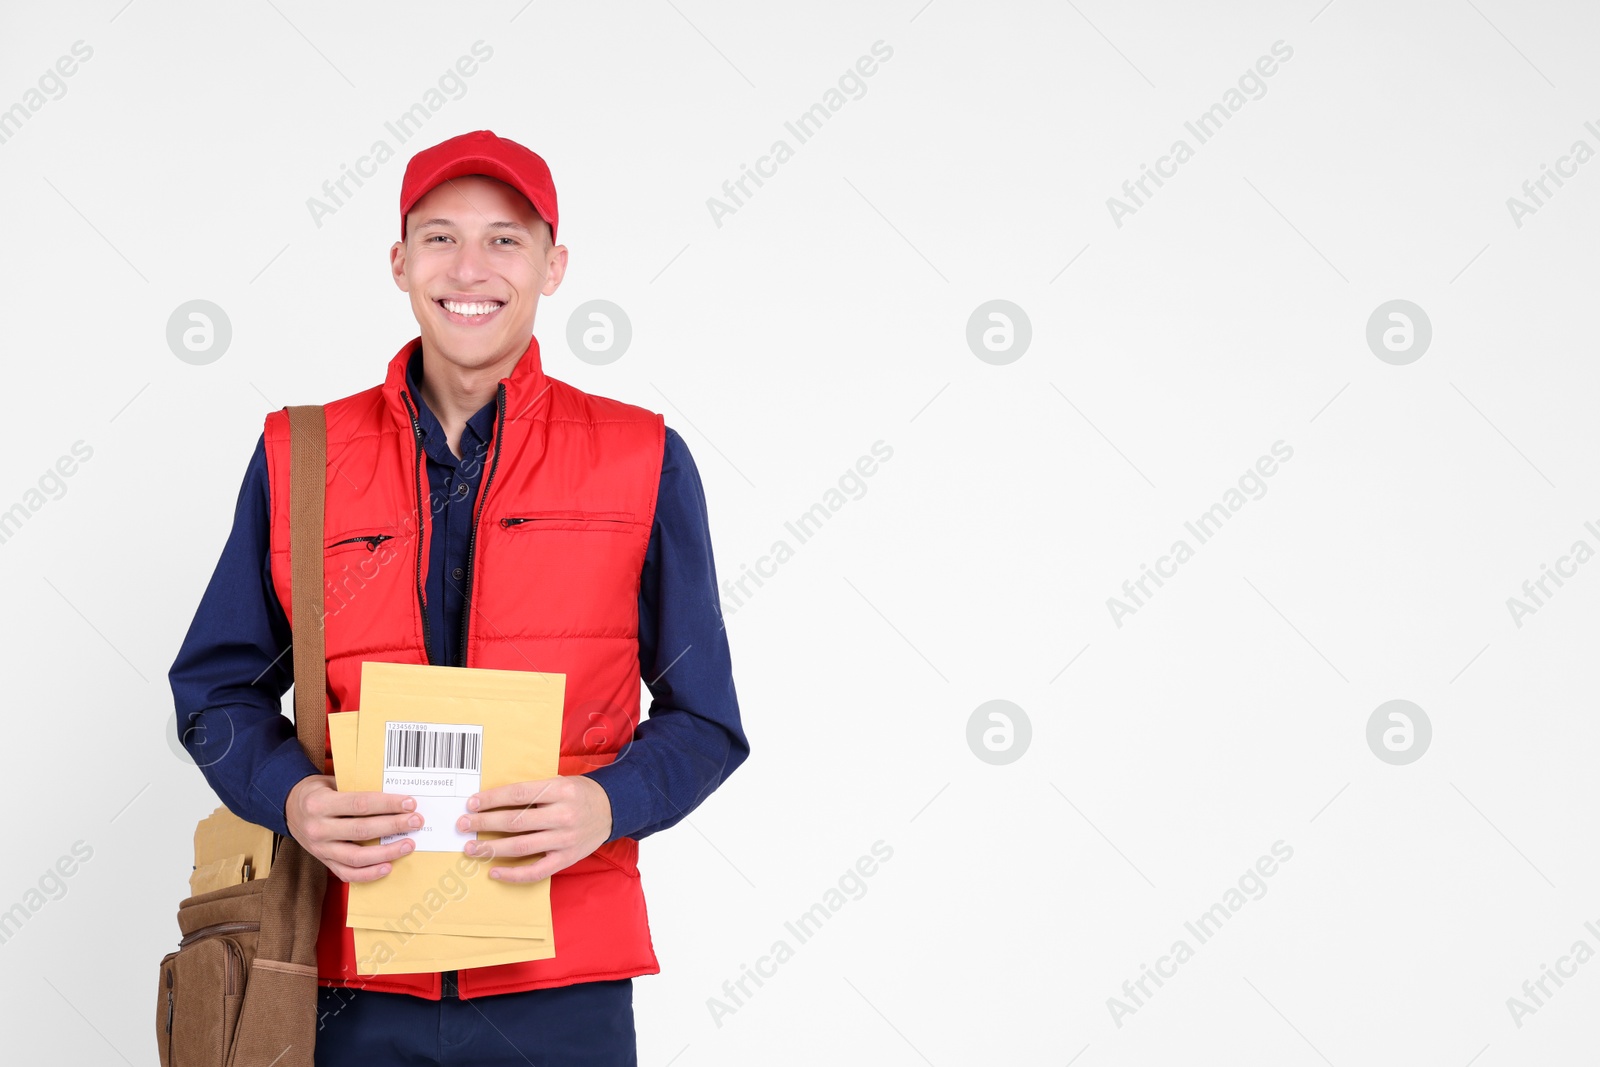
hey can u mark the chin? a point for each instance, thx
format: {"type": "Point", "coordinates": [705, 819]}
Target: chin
{"type": "Point", "coordinates": [470, 353]}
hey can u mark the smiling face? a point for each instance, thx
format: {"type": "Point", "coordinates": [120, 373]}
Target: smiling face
{"type": "Point", "coordinates": [475, 260]}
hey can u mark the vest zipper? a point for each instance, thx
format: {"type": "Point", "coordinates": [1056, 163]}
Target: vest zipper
{"type": "Point", "coordinates": [472, 536]}
{"type": "Point", "coordinates": [372, 540]}
{"type": "Point", "coordinates": [509, 522]}
{"type": "Point", "coordinates": [416, 469]}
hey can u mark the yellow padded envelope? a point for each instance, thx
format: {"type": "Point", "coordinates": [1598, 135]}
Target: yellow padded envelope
{"type": "Point", "coordinates": [223, 835]}
{"type": "Point", "coordinates": [444, 893]}
{"type": "Point", "coordinates": [390, 952]}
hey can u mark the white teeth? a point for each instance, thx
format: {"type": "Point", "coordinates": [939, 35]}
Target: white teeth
{"type": "Point", "coordinates": [469, 309]}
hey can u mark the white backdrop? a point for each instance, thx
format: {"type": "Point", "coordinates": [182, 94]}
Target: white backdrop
{"type": "Point", "coordinates": [1151, 353]}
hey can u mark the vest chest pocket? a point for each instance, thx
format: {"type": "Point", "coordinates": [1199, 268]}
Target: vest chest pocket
{"type": "Point", "coordinates": [567, 571]}
{"type": "Point", "coordinates": [351, 561]}
{"type": "Point", "coordinates": [366, 576]}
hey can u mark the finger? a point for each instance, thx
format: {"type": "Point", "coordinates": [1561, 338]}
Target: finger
{"type": "Point", "coordinates": [515, 794]}
{"type": "Point", "coordinates": [358, 874]}
{"type": "Point", "coordinates": [349, 872]}
{"type": "Point", "coordinates": [356, 828]}
{"type": "Point", "coordinates": [352, 855]}
{"type": "Point", "coordinates": [516, 845]}
{"type": "Point", "coordinates": [514, 820]}
{"type": "Point", "coordinates": [367, 803]}
{"type": "Point", "coordinates": [536, 871]}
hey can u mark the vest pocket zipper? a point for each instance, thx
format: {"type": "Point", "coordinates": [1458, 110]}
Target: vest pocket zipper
{"type": "Point", "coordinates": [512, 521]}
{"type": "Point", "coordinates": [372, 541]}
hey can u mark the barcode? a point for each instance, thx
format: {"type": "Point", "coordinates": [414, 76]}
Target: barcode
{"type": "Point", "coordinates": [432, 750]}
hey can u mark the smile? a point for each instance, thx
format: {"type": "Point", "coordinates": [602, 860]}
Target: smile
{"type": "Point", "coordinates": [470, 314]}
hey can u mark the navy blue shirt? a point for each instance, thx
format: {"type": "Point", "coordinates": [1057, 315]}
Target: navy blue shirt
{"type": "Point", "coordinates": [236, 663]}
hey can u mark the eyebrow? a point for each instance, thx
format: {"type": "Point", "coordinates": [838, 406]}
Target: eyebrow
{"type": "Point", "coordinates": [504, 225]}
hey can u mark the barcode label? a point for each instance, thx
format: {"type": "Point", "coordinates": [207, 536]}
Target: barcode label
{"type": "Point", "coordinates": [440, 749]}
{"type": "Point", "coordinates": [438, 765]}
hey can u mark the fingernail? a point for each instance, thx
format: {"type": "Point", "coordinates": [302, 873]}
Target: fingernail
{"type": "Point", "coordinates": [407, 804]}
{"type": "Point", "coordinates": [463, 824]}
{"type": "Point", "coordinates": [472, 803]}
{"type": "Point", "coordinates": [414, 822]}
{"type": "Point", "coordinates": [470, 847]}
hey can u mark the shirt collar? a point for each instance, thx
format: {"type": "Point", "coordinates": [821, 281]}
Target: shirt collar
{"type": "Point", "coordinates": [527, 391]}
{"type": "Point", "coordinates": [474, 438]}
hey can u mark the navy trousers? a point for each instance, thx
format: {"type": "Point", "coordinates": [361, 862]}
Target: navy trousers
{"type": "Point", "coordinates": [588, 1024]}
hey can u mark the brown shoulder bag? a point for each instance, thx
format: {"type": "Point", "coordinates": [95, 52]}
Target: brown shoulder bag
{"type": "Point", "coordinates": [241, 988]}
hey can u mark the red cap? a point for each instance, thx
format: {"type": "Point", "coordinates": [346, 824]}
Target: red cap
{"type": "Point", "coordinates": [480, 152]}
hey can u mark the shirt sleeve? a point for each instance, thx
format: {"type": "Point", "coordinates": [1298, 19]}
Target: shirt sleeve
{"type": "Point", "coordinates": [693, 738]}
{"type": "Point", "coordinates": [235, 665]}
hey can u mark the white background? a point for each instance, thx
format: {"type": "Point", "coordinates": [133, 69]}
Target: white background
{"type": "Point", "coordinates": [830, 312]}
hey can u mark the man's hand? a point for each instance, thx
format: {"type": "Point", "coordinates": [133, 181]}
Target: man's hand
{"type": "Point", "coordinates": [566, 818]}
{"type": "Point", "coordinates": [328, 823]}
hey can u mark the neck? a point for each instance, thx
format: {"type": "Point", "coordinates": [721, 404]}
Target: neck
{"type": "Point", "coordinates": [454, 393]}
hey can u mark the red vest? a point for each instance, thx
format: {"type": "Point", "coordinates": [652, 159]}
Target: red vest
{"type": "Point", "coordinates": [563, 516]}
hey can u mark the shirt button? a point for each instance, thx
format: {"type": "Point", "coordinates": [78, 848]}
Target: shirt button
{"type": "Point", "coordinates": [458, 574]}
{"type": "Point", "coordinates": [462, 491]}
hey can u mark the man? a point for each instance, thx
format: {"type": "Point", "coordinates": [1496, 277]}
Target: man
{"type": "Point", "coordinates": [563, 532]}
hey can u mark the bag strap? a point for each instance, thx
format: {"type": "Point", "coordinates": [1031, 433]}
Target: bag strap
{"type": "Point", "coordinates": [308, 462]}
{"type": "Point", "coordinates": [292, 909]}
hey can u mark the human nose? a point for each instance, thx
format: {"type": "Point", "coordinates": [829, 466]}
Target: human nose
{"type": "Point", "coordinates": [469, 265]}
